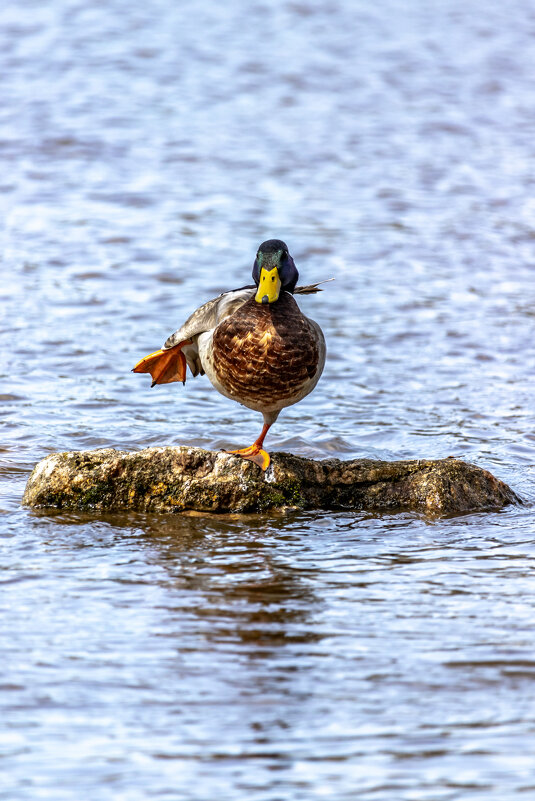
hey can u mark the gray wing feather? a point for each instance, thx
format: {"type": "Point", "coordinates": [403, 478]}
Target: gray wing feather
{"type": "Point", "coordinates": [209, 315]}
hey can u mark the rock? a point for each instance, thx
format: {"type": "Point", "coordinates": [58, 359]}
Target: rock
{"type": "Point", "coordinates": [177, 479]}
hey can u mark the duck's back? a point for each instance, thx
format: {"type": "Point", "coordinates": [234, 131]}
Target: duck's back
{"type": "Point", "coordinates": [266, 355]}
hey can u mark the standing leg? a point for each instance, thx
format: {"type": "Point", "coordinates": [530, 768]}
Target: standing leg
{"type": "Point", "coordinates": [255, 452]}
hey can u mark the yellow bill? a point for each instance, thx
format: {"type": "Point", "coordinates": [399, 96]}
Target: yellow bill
{"type": "Point", "coordinates": [269, 286]}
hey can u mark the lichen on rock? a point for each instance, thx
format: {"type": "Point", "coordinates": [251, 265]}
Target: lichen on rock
{"type": "Point", "coordinates": [177, 479]}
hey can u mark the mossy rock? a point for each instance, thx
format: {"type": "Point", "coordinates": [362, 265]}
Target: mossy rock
{"type": "Point", "coordinates": [178, 479]}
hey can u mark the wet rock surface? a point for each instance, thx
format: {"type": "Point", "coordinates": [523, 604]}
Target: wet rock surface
{"type": "Point", "coordinates": [178, 479]}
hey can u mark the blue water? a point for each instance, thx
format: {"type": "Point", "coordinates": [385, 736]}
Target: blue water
{"type": "Point", "coordinates": [145, 151]}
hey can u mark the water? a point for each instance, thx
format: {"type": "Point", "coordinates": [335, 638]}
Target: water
{"type": "Point", "coordinates": [145, 151]}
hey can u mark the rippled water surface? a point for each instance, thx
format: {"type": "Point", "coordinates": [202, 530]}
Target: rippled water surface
{"type": "Point", "coordinates": [145, 151]}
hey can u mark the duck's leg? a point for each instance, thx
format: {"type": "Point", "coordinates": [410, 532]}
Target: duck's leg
{"type": "Point", "coordinates": [255, 453]}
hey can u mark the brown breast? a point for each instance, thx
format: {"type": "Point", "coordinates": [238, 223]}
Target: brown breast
{"type": "Point", "coordinates": [265, 353]}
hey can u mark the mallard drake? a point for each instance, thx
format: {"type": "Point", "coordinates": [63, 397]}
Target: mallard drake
{"type": "Point", "coordinates": [254, 344]}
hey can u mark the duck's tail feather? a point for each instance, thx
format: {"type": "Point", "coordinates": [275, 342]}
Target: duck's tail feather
{"type": "Point", "coordinates": [311, 288]}
{"type": "Point", "coordinates": [165, 366]}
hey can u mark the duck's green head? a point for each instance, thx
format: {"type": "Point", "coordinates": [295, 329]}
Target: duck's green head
{"type": "Point", "coordinates": [273, 271]}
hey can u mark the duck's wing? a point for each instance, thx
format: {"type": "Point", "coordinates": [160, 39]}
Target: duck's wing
{"type": "Point", "coordinates": [214, 311]}
{"type": "Point", "coordinates": [180, 349]}
{"type": "Point", "coordinates": [210, 314]}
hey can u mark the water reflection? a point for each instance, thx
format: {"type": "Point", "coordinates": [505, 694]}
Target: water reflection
{"type": "Point", "coordinates": [229, 564]}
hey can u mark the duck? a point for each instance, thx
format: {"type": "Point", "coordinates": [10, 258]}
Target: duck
{"type": "Point", "coordinates": [254, 344]}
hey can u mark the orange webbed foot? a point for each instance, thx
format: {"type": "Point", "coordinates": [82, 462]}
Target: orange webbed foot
{"type": "Point", "coordinates": [165, 366]}
{"type": "Point", "coordinates": [254, 454]}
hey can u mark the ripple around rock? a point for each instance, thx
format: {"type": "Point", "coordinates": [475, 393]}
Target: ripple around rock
{"type": "Point", "coordinates": [177, 479]}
